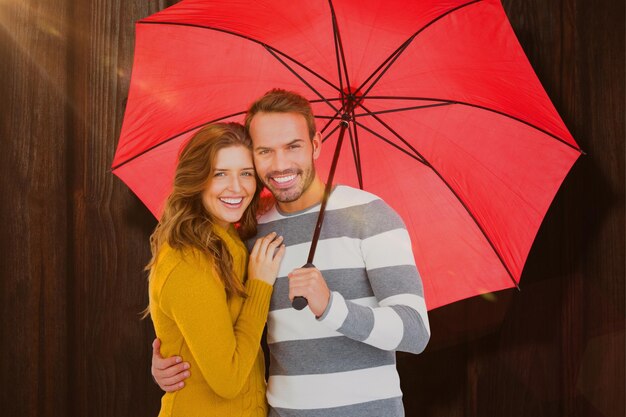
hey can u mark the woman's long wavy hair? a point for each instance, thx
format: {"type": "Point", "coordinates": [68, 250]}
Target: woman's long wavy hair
{"type": "Point", "coordinates": [185, 223]}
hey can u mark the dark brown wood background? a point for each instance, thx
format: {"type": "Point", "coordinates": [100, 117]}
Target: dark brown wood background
{"type": "Point", "coordinates": [74, 239]}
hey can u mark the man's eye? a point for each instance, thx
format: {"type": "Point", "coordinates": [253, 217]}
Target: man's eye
{"type": "Point", "coordinates": [294, 146]}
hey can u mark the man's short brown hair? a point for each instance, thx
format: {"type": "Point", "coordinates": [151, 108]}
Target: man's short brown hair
{"type": "Point", "coordinates": [283, 101]}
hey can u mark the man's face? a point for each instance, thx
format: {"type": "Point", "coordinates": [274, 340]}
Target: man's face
{"type": "Point", "coordinates": [284, 154]}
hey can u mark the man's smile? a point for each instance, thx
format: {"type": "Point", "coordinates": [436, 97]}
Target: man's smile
{"type": "Point", "coordinates": [283, 180]}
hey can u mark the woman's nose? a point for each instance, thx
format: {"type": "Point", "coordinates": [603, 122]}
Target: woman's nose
{"type": "Point", "coordinates": [235, 184]}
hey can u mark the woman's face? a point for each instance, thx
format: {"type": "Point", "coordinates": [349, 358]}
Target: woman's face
{"type": "Point", "coordinates": [231, 185]}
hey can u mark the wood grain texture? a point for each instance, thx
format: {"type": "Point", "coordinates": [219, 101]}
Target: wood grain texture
{"type": "Point", "coordinates": [74, 238]}
{"type": "Point", "coordinates": [33, 164]}
{"type": "Point", "coordinates": [109, 343]}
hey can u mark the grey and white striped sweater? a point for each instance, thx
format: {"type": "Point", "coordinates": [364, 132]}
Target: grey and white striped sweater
{"type": "Point", "coordinates": [343, 364]}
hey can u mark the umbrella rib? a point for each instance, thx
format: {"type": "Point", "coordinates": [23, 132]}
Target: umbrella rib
{"type": "Point", "coordinates": [396, 134]}
{"type": "Point", "coordinates": [429, 165]}
{"type": "Point", "coordinates": [174, 137]}
{"type": "Point", "coordinates": [247, 38]}
{"type": "Point", "coordinates": [493, 247]}
{"type": "Point", "coordinates": [477, 106]}
{"type": "Point", "coordinates": [354, 141]}
{"type": "Point", "coordinates": [396, 54]}
{"type": "Point", "coordinates": [390, 57]}
{"type": "Point", "coordinates": [339, 75]}
{"type": "Point", "coordinates": [331, 132]}
{"type": "Point", "coordinates": [384, 139]}
{"type": "Point", "coordinates": [339, 46]}
{"type": "Point", "coordinates": [403, 109]}
{"type": "Point", "coordinates": [321, 101]}
{"type": "Point", "coordinates": [331, 118]}
{"type": "Point", "coordinates": [301, 65]}
{"type": "Point", "coordinates": [305, 82]}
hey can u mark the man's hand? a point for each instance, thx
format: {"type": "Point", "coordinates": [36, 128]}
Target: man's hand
{"type": "Point", "coordinates": [310, 284]}
{"type": "Point", "coordinates": [168, 373]}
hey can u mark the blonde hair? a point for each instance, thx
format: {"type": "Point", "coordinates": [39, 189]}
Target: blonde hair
{"type": "Point", "coordinates": [185, 223]}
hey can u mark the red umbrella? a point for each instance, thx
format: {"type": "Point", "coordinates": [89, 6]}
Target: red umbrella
{"type": "Point", "coordinates": [446, 119]}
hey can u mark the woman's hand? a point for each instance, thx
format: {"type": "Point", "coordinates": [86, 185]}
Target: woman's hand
{"type": "Point", "coordinates": [265, 258]}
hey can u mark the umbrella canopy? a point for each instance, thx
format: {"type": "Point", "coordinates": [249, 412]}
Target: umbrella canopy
{"type": "Point", "coordinates": [447, 120]}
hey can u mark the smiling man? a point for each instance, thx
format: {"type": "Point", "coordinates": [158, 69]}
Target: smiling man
{"type": "Point", "coordinates": [336, 357]}
{"type": "Point", "coordinates": [283, 156]}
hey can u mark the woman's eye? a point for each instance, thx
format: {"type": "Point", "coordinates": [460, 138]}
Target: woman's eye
{"type": "Point", "coordinates": [219, 174]}
{"type": "Point", "coordinates": [247, 174]}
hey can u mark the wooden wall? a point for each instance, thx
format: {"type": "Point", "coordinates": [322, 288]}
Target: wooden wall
{"type": "Point", "coordinates": [74, 239]}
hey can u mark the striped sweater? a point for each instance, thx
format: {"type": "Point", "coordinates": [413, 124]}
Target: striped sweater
{"type": "Point", "coordinates": [343, 364]}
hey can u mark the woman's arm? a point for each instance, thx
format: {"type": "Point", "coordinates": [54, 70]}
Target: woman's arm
{"type": "Point", "coordinates": [225, 353]}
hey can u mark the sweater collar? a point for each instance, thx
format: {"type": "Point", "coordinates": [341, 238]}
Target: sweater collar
{"type": "Point", "coordinates": [230, 235]}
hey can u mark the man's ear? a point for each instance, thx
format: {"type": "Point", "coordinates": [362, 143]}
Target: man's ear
{"type": "Point", "coordinates": [317, 145]}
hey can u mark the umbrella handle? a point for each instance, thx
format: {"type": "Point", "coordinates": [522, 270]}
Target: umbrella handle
{"type": "Point", "coordinates": [300, 302]}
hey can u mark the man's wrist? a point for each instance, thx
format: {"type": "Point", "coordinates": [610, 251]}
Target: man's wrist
{"type": "Point", "coordinates": [328, 307]}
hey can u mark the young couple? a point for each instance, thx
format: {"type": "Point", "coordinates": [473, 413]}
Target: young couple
{"type": "Point", "coordinates": [209, 299]}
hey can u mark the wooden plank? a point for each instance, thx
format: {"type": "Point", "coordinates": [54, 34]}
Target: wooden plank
{"type": "Point", "coordinates": [110, 345]}
{"type": "Point", "coordinates": [33, 164]}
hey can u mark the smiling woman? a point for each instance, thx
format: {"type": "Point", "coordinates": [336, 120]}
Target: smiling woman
{"type": "Point", "coordinates": [232, 185]}
{"type": "Point", "coordinates": [202, 306]}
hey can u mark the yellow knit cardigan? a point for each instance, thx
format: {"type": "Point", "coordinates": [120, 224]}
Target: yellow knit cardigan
{"type": "Point", "coordinates": [218, 336]}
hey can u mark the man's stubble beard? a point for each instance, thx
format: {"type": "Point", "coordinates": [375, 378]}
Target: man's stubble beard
{"type": "Point", "coordinates": [289, 196]}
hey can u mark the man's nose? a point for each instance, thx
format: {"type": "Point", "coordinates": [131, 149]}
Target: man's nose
{"type": "Point", "coordinates": [280, 162]}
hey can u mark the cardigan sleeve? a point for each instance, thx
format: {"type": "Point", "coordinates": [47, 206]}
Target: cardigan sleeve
{"type": "Point", "coordinates": [195, 299]}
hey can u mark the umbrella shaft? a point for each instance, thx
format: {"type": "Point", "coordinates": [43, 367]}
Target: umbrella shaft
{"type": "Point", "coordinates": [327, 189]}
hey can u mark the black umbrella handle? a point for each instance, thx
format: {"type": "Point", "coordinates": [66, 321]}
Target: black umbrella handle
{"type": "Point", "coordinates": [300, 302]}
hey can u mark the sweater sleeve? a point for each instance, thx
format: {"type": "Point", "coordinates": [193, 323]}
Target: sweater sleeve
{"type": "Point", "coordinates": [225, 353]}
{"type": "Point", "coordinates": [400, 319]}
